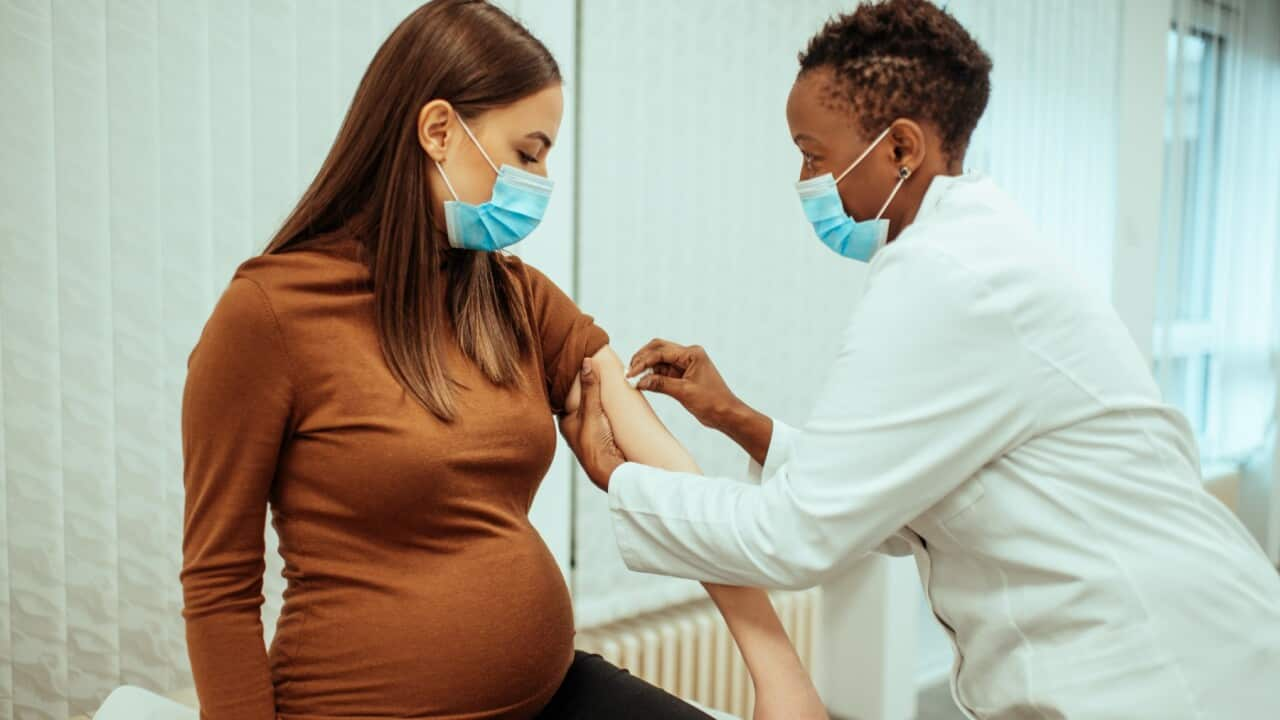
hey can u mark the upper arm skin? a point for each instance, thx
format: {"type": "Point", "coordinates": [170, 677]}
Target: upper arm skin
{"type": "Point", "coordinates": [637, 429]}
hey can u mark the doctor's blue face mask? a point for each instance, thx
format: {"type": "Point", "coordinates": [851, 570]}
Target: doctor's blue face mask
{"type": "Point", "coordinates": [516, 207]}
{"type": "Point", "coordinates": [854, 239]}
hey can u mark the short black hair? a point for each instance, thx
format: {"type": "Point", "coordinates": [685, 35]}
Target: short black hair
{"type": "Point", "coordinates": [905, 59]}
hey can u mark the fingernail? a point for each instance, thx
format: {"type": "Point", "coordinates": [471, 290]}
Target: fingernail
{"type": "Point", "coordinates": [586, 366]}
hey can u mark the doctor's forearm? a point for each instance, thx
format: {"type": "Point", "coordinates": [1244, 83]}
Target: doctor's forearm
{"type": "Point", "coordinates": [749, 428]}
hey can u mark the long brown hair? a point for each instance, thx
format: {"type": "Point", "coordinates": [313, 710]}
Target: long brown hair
{"type": "Point", "coordinates": [374, 184]}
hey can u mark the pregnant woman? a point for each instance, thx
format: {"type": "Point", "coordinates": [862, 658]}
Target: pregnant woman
{"type": "Point", "coordinates": [385, 380]}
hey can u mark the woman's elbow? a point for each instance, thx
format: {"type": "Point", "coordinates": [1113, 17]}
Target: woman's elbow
{"type": "Point", "coordinates": [215, 588]}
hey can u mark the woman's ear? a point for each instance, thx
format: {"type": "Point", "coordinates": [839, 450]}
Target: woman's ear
{"type": "Point", "coordinates": [908, 141]}
{"type": "Point", "coordinates": [435, 129]}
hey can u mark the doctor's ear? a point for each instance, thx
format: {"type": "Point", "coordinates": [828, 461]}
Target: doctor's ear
{"type": "Point", "coordinates": [908, 141]}
{"type": "Point", "coordinates": [435, 127]}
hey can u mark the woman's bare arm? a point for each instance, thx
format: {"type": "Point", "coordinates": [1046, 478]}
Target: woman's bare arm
{"type": "Point", "coordinates": [783, 687]}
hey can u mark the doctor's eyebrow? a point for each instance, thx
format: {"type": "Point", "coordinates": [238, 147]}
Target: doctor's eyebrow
{"type": "Point", "coordinates": [539, 135]}
{"type": "Point", "coordinates": [807, 138]}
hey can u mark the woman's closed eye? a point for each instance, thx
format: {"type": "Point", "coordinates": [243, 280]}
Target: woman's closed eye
{"type": "Point", "coordinates": [526, 158]}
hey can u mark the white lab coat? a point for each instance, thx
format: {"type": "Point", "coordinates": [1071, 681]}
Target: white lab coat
{"type": "Point", "coordinates": [992, 416]}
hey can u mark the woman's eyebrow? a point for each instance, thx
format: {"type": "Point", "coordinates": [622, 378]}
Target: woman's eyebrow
{"type": "Point", "coordinates": [804, 137]}
{"type": "Point", "coordinates": [539, 135]}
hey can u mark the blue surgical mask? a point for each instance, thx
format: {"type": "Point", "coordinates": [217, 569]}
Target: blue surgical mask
{"type": "Point", "coordinates": [854, 239]}
{"type": "Point", "coordinates": [516, 207]}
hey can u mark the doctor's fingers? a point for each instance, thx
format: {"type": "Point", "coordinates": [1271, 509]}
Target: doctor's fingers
{"type": "Point", "coordinates": [570, 428]}
{"type": "Point", "coordinates": [667, 370]}
{"type": "Point", "coordinates": [571, 424]}
{"type": "Point", "coordinates": [591, 403]}
{"type": "Point", "coordinates": [665, 352]}
{"type": "Point", "coordinates": [675, 387]}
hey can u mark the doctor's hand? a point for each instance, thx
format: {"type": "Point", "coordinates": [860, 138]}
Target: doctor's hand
{"type": "Point", "coordinates": [588, 432]}
{"type": "Point", "coordinates": [685, 373]}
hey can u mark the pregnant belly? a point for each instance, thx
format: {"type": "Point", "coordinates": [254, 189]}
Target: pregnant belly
{"type": "Point", "coordinates": [485, 633]}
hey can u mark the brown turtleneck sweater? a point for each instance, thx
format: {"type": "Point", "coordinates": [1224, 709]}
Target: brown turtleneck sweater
{"type": "Point", "coordinates": [416, 587]}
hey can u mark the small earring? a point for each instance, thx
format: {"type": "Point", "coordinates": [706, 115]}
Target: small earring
{"type": "Point", "coordinates": [904, 172]}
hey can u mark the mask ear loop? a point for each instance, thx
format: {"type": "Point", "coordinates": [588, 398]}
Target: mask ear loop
{"type": "Point", "coordinates": [478, 145]}
{"type": "Point", "coordinates": [865, 153]}
{"type": "Point", "coordinates": [904, 172]}
{"type": "Point", "coordinates": [445, 177]}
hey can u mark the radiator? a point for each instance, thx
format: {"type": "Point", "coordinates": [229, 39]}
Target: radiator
{"type": "Point", "coordinates": [687, 649]}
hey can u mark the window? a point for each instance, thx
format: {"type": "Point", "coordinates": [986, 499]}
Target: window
{"type": "Point", "coordinates": [1184, 336]}
{"type": "Point", "coordinates": [1216, 335]}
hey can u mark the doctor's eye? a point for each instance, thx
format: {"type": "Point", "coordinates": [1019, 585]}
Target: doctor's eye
{"type": "Point", "coordinates": [527, 159]}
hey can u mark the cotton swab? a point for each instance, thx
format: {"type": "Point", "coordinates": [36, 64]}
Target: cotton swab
{"type": "Point", "coordinates": [636, 380]}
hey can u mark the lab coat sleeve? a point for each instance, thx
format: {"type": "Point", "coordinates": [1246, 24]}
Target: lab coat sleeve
{"type": "Point", "coordinates": [780, 442]}
{"type": "Point", "coordinates": [927, 388]}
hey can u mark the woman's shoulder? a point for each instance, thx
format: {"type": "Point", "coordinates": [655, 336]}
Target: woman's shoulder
{"type": "Point", "coordinates": [536, 283]}
{"type": "Point", "coordinates": [320, 256]}
{"type": "Point", "coordinates": [291, 274]}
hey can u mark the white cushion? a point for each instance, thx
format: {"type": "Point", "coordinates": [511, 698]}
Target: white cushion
{"type": "Point", "coordinates": [133, 703]}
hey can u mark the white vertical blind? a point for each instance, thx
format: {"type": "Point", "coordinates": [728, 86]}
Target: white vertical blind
{"type": "Point", "coordinates": [93, 630]}
{"type": "Point", "coordinates": [32, 399]}
{"type": "Point", "coordinates": [1049, 136]}
{"type": "Point", "coordinates": [147, 148]}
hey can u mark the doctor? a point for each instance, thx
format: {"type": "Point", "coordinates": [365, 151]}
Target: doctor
{"type": "Point", "coordinates": [985, 413]}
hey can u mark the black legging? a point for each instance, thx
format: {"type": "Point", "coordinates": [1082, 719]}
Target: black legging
{"type": "Point", "coordinates": [595, 689]}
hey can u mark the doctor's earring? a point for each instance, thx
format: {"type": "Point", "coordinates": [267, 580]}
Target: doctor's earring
{"type": "Point", "coordinates": [904, 172]}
